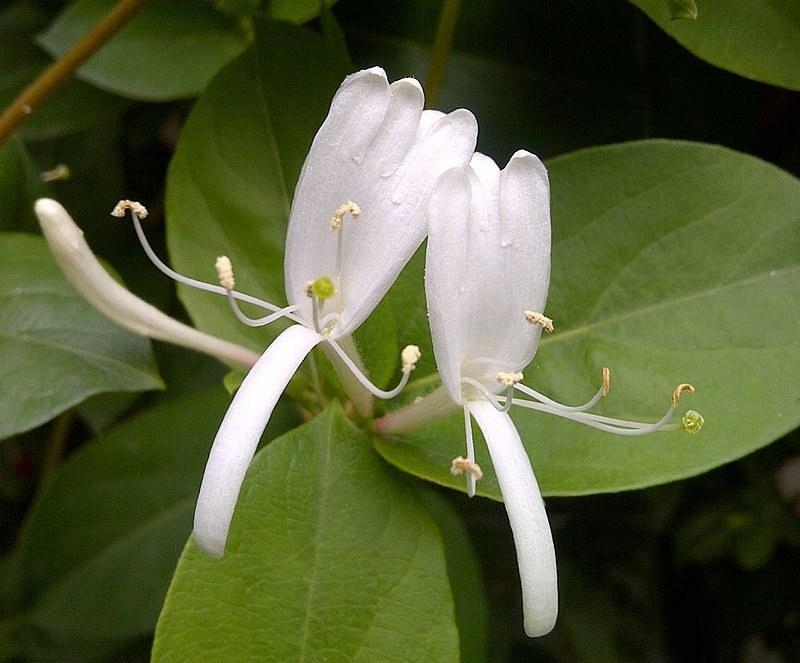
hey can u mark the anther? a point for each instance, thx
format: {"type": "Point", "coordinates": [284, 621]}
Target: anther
{"type": "Point", "coordinates": [684, 388]}
{"type": "Point", "coordinates": [606, 380]}
{"type": "Point", "coordinates": [509, 379]}
{"type": "Point", "coordinates": [692, 421]}
{"type": "Point", "coordinates": [124, 205]}
{"type": "Point", "coordinates": [59, 172]}
{"type": "Point", "coordinates": [463, 465]}
{"type": "Point", "coordinates": [343, 210]}
{"type": "Point", "coordinates": [535, 318]}
{"type": "Point", "coordinates": [409, 357]}
{"type": "Point", "coordinates": [225, 273]}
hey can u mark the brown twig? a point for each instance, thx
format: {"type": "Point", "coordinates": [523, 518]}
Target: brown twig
{"type": "Point", "coordinates": [58, 72]}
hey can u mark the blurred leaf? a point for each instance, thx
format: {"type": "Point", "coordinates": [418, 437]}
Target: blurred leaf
{"type": "Point", "coordinates": [72, 107]}
{"type": "Point", "coordinates": [233, 380]}
{"type": "Point", "coordinates": [296, 11]}
{"type": "Point", "coordinates": [56, 349]}
{"type": "Point", "coordinates": [331, 556]}
{"type": "Point", "coordinates": [168, 51]}
{"type": "Point", "coordinates": [466, 582]}
{"type": "Point", "coordinates": [100, 544]}
{"type": "Point", "coordinates": [20, 186]}
{"type": "Point", "coordinates": [231, 180]}
{"type": "Point", "coordinates": [672, 262]}
{"type": "Point", "coordinates": [758, 39]}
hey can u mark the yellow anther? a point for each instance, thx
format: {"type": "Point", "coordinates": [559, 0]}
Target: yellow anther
{"type": "Point", "coordinates": [321, 288]}
{"type": "Point", "coordinates": [409, 357]}
{"type": "Point", "coordinates": [543, 321]}
{"type": "Point", "coordinates": [509, 379]}
{"type": "Point", "coordinates": [59, 172]}
{"type": "Point", "coordinates": [606, 380]}
{"type": "Point", "coordinates": [692, 421]}
{"type": "Point", "coordinates": [463, 465]}
{"type": "Point", "coordinates": [124, 205]}
{"type": "Point", "coordinates": [225, 273]}
{"type": "Point", "coordinates": [343, 210]}
{"type": "Point", "coordinates": [684, 388]}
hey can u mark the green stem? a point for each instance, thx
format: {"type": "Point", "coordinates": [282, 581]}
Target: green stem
{"type": "Point", "coordinates": [441, 50]}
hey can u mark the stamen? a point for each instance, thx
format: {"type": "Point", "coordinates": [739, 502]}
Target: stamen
{"type": "Point", "coordinates": [138, 212]}
{"type": "Point", "coordinates": [409, 357]}
{"type": "Point", "coordinates": [461, 465]}
{"type": "Point", "coordinates": [509, 379]}
{"type": "Point", "coordinates": [471, 476]}
{"type": "Point", "coordinates": [365, 381]}
{"type": "Point", "coordinates": [588, 405]}
{"type": "Point", "coordinates": [692, 421]}
{"type": "Point", "coordinates": [489, 396]}
{"type": "Point", "coordinates": [684, 388]}
{"type": "Point", "coordinates": [535, 318]}
{"type": "Point", "coordinates": [225, 272]}
{"type": "Point", "coordinates": [58, 173]}
{"type": "Point", "coordinates": [337, 225]}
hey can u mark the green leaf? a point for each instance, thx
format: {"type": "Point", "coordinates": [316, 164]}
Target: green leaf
{"type": "Point", "coordinates": [682, 9]}
{"type": "Point", "coordinates": [231, 180]}
{"type": "Point", "coordinates": [672, 262]}
{"type": "Point", "coordinates": [55, 349]}
{"type": "Point", "coordinates": [758, 39]}
{"type": "Point", "coordinates": [100, 545]}
{"type": "Point", "coordinates": [19, 187]}
{"type": "Point", "coordinates": [72, 107]}
{"type": "Point", "coordinates": [331, 556]}
{"type": "Point", "coordinates": [168, 51]}
{"type": "Point", "coordinates": [296, 11]}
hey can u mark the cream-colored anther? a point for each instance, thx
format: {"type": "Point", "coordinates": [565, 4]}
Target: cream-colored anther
{"type": "Point", "coordinates": [684, 388]}
{"type": "Point", "coordinates": [463, 465]}
{"type": "Point", "coordinates": [124, 205]}
{"type": "Point", "coordinates": [225, 273]}
{"type": "Point", "coordinates": [535, 318]}
{"type": "Point", "coordinates": [343, 210]}
{"type": "Point", "coordinates": [509, 379]}
{"type": "Point", "coordinates": [606, 380]}
{"type": "Point", "coordinates": [409, 357]}
{"type": "Point", "coordinates": [55, 174]}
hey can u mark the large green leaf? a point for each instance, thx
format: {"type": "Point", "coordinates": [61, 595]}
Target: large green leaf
{"type": "Point", "coordinates": [331, 556]}
{"type": "Point", "coordinates": [168, 51]}
{"type": "Point", "coordinates": [672, 262]}
{"type": "Point", "coordinates": [55, 349]}
{"type": "Point", "coordinates": [99, 547]}
{"type": "Point", "coordinates": [231, 180]}
{"type": "Point", "coordinates": [19, 187]}
{"type": "Point", "coordinates": [758, 39]}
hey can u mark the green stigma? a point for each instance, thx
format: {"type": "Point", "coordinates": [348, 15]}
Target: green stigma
{"type": "Point", "coordinates": [323, 288]}
{"type": "Point", "coordinates": [692, 421]}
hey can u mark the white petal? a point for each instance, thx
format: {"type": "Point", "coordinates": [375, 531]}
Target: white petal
{"type": "Point", "coordinates": [506, 269]}
{"type": "Point", "coordinates": [526, 514]}
{"type": "Point", "coordinates": [445, 257]}
{"type": "Point", "coordinates": [89, 278]}
{"type": "Point", "coordinates": [380, 153]}
{"type": "Point", "coordinates": [239, 433]}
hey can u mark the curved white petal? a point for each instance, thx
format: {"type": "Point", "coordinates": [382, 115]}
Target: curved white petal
{"type": "Point", "coordinates": [445, 259]}
{"type": "Point", "coordinates": [526, 514]}
{"type": "Point", "coordinates": [84, 271]}
{"type": "Point", "coordinates": [503, 271]}
{"type": "Point", "coordinates": [239, 433]}
{"type": "Point", "coordinates": [378, 149]}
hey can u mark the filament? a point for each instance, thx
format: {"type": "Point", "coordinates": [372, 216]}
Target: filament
{"type": "Point", "coordinates": [364, 380]}
{"type": "Point", "coordinates": [242, 317]}
{"type": "Point", "coordinates": [489, 396]}
{"type": "Point", "coordinates": [470, 450]}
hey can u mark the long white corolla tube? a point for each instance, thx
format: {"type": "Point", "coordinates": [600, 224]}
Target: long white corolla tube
{"type": "Point", "coordinates": [238, 435]}
{"type": "Point", "coordinates": [526, 513]}
{"type": "Point", "coordinates": [84, 271]}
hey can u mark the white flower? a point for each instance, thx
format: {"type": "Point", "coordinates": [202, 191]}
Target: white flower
{"type": "Point", "coordinates": [358, 216]}
{"type": "Point", "coordinates": [486, 280]}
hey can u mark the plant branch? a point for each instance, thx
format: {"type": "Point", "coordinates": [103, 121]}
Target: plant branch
{"type": "Point", "coordinates": [441, 50]}
{"type": "Point", "coordinates": [58, 72]}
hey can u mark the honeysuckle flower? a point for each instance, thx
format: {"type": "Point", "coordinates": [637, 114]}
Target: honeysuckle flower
{"type": "Point", "coordinates": [486, 279]}
{"type": "Point", "coordinates": [357, 217]}
{"type": "Point", "coordinates": [84, 271]}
